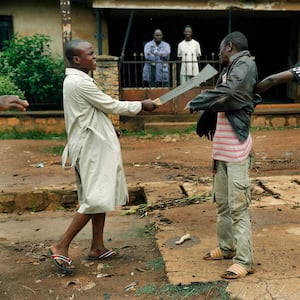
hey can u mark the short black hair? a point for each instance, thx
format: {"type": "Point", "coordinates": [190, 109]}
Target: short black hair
{"type": "Point", "coordinates": [188, 26]}
{"type": "Point", "coordinates": [238, 39]}
{"type": "Point", "coordinates": [71, 48]}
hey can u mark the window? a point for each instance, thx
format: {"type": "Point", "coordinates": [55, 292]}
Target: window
{"type": "Point", "coordinates": [6, 29]}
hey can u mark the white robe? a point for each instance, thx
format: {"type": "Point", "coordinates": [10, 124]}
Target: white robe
{"type": "Point", "coordinates": [93, 145]}
{"type": "Point", "coordinates": [189, 51]}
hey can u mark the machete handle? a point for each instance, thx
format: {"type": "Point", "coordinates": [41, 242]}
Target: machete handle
{"type": "Point", "coordinates": [157, 102]}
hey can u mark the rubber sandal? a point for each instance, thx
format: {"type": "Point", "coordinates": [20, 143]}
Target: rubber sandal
{"type": "Point", "coordinates": [216, 254]}
{"type": "Point", "coordinates": [61, 267]}
{"type": "Point", "coordinates": [108, 254]}
{"type": "Point", "coordinates": [235, 271]}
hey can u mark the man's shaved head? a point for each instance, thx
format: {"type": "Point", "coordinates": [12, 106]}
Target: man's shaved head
{"type": "Point", "coordinates": [72, 47]}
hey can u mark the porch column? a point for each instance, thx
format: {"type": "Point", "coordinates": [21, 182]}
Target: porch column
{"type": "Point", "coordinates": [106, 76]}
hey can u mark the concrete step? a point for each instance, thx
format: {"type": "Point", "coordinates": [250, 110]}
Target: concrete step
{"type": "Point", "coordinates": [55, 198]}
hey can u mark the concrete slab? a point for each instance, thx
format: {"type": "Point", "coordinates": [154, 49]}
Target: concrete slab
{"type": "Point", "coordinates": [276, 235]}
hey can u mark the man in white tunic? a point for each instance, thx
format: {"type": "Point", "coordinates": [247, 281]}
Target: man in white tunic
{"type": "Point", "coordinates": [94, 149]}
{"type": "Point", "coordinates": [189, 51]}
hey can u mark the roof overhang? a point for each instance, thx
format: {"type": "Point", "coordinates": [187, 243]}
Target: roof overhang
{"type": "Point", "coordinates": [283, 5]}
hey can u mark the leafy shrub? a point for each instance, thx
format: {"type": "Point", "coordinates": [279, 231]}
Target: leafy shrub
{"type": "Point", "coordinates": [27, 60]}
{"type": "Point", "coordinates": [8, 87]}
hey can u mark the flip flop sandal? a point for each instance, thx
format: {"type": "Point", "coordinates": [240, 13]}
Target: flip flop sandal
{"type": "Point", "coordinates": [235, 271]}
{"type": "Point", "coordinates": [61, 267]}
{"type": "Point", "coordinates": [216, 254]}
{"type": "Point", "coordinates": [109, 253]}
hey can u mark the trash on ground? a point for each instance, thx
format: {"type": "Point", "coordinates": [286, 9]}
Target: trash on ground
{"type": "Point", "coordinates": [130, 286]}
{"type": "Point", "coordinates": [183, 239]}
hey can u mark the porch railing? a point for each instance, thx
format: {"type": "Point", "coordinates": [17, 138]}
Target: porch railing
{"type": "Point", "coordinates": [131, 72]}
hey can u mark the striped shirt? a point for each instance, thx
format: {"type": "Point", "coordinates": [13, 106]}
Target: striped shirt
{"type": "Point", "coordinates": [296, 72]}
{"type": "Point", "coordinates": [226, 145]}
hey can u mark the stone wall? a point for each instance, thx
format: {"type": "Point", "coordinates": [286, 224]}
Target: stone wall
{"type": "Point", "coordinates": [107, 77]}
{"type": "Point", "coordinates": [53, 121]}
{"type": "Point", "coordinates": [48, 121]}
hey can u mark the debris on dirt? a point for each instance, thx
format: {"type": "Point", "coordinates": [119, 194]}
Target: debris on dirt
{"type": "Point", "coordinates": [296, 181]}
{"type": "Point", "coordinates": [266, 189]}
{"type": "Point", "coordinates": [29, 289]}
{"type": "Point", "coordinates": [40, 165]}
{"type": "Point", "coordinates": [144, 208]}
{"type": "Point", "coordinates": [131, 286]}
{"type": "Point", "coordinates": [184, 192]}
{"type": "Point", "coordinates": [101, 275]}
{"type": "Point", "coordinates": [184, 238]}
{"type": "Point", "coordinates": [165, 220]}
{"type": "Point", "coordinates": [88, 286]}
{"type": "Point", "coordinates": [141, 269]}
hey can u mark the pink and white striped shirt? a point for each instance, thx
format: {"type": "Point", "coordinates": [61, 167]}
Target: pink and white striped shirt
{"type": "Point", "coordinates": [226, 145]}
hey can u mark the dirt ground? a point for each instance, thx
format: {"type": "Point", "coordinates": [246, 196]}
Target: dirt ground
{"type": "Point", "coordinates": [26, 272]}
{"type": "Point", "coordinates": [171, 157]}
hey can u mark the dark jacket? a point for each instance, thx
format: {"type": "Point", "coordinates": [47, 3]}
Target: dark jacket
{"type": "Point", "coordinates": [234, 97]}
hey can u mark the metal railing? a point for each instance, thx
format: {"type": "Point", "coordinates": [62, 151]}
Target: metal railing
{"type": "Point", "coordinates": [139, 73]}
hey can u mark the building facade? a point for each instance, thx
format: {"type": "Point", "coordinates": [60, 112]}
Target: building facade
{"type": "Point", "coordinates": [121, 28]}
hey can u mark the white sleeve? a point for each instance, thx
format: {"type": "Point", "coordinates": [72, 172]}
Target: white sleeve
{"type": "Point", "coordinates": [89, 91]}
{"type": "Point", "coordinates": [179, 52]}
{"type": "Point", "coordinates": [198, 49]}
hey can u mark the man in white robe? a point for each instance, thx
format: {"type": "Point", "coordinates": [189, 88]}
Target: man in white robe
{"type": "Point", "coordinates": [189, 52]}
{"type": "Point", "coordinates": [94, 149]}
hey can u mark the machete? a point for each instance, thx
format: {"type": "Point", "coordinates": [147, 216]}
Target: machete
{"type": "Point", "coordinates": [206, 73]}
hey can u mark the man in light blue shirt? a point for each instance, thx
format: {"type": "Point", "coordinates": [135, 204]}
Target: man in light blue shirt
{"type": "Point", "coordinates": [156, 68]}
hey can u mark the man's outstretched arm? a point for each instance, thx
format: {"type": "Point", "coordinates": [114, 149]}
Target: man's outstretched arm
{"type": "Point", "coordinates": [278, 78]}
{"type": "Point", "coordinates": [8, 102]}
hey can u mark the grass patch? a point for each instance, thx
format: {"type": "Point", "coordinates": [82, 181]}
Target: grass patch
{"type": "Point", "coordinates": [31, 135]}
{"type": "Point", "coordinates": [192, 129]}
{"type": "Point", "coordinates": [268, 128]}
{"type": "Point", "coordinates": [146, 232]}
{"type": "Point", "coordinates": [211, 290]}
{"type": "Point", "coordinates": [55, 150]}
{"type": "Point", "coordinates": [155, 133]}
{"type": "Point", "coordinates": [155, 264]}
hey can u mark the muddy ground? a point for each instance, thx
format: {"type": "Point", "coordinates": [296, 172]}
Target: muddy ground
{"type": "Point", "coordinates": [26, 272]}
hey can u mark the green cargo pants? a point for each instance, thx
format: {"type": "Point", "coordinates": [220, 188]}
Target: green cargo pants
{"type": "Point", "coordinates": [232, 195]}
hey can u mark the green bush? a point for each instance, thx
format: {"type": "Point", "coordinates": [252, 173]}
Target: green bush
{"type": "Point", "coordinates": [27, 60]}
{"type": "Point", "coordinates": [8, 87]}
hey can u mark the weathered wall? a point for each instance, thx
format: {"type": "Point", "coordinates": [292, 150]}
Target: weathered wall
{"type": "Point", "coordinates": [35, 16]}
{"type": "Point", "coordinates": [198, 4]}
{"type": "Point", "coordinates": [51, 121]}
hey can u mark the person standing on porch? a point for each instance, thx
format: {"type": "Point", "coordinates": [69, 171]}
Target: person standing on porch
{"type": "Point", "coordinates": [156, 68]}
{"type": "Point", "coordinates": [189, 52]}
{"type": "Point", "coordinates": [95, 152]}
{"type": "Point", "coordinates": [226, 119]}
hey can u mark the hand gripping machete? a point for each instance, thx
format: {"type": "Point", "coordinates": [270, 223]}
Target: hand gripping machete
{"type": "Point", "coordinates": [206, 73]}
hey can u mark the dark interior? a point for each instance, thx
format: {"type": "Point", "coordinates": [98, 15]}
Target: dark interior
{"type": "Point", "coordinates": [272, 35]}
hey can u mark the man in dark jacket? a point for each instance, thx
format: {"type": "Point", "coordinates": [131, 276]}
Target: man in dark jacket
{"type": "Point", "coordinates": [225, 118]}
